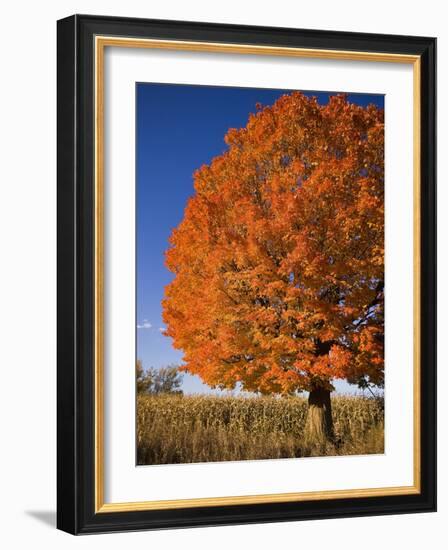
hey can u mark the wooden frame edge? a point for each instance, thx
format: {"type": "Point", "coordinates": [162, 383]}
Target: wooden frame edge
{"type": "Point", "coordinates": [109, 41]}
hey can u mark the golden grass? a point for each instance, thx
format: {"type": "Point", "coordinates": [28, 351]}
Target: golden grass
{"type": "Point", "coordinates": [180, 429]}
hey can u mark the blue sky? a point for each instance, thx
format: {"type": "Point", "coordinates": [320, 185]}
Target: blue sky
{"type": "Point", "coordinates": [179, 128]}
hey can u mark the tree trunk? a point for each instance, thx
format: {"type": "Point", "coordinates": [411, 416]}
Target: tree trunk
{"type": "Point", "coordinates": [319, 422]}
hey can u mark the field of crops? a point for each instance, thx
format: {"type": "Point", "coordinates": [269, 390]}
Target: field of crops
{"type": "Point", "coordinates": [179, 429]}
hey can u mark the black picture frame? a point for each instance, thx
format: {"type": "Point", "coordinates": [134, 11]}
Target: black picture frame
{"type": "Point", "coordinates": [76, 271]}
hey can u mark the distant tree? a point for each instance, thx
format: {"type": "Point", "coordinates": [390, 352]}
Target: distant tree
{"type": "Point", "coordinates": [278, 262]}
{"type": "Point", "coordinates": [167, 380]}
{"type": "Point", "coordinates": [143, 380]}
{"type": "Point", "coordinates": [156, 381]}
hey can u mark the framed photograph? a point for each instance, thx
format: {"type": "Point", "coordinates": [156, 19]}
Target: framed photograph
{"type": "Point", "coordinates": [246, 274]}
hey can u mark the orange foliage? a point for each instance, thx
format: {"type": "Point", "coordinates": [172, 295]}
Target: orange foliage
{"type": "Point", "coordinates": [279, 259]}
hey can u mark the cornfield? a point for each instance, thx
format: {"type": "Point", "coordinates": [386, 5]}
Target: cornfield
{"type": "Point", "coordinates": [181, 429]}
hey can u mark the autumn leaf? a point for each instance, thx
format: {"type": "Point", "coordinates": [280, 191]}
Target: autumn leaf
{"type": "Point", "coordinates": [279, 259]}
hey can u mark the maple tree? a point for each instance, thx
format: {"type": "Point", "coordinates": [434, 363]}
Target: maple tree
{"type": "Point", "coordinates": [279, 259]}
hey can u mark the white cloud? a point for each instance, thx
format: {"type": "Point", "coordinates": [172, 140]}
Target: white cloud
{"type": "Point", "coordinates": [162, 329]}
{"type": "Point", "coordinates": [145, 324]}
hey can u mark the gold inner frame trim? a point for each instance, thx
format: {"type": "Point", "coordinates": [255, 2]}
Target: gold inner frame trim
{"type": "Point", "coordinates": [101, 42]}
